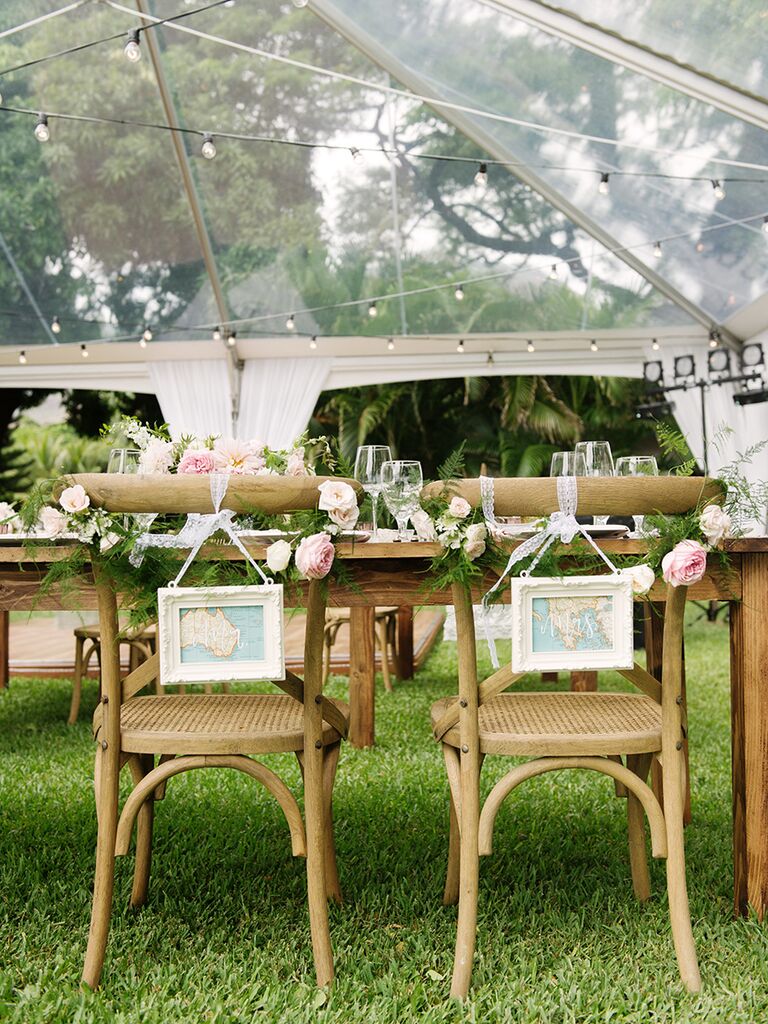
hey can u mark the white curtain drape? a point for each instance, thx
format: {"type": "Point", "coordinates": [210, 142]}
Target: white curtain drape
{"type": "Point", "coordinates": [277, 397]}
{"type": "Point", "coordinates": [194, 395]}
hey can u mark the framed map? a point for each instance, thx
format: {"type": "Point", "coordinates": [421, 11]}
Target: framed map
{"type": "Point", "coordinates": [575, 623]}
{"type": "Point", "coordinates": [220, 634]}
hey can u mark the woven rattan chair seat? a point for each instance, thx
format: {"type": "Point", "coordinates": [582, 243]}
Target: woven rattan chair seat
{"type": "Point", "coordinates": [556, 724]}
{"type": "Point", "coordinates": [94, 633]}
{"type": "Point", "coordinates": [217, 723]}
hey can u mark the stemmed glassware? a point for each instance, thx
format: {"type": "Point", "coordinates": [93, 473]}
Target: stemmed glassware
{"type": "Point", "coordinates": [123, 460]}
{"type": "Point", "coordinates": [368, 462]}
{"type": "Point", "coordinates": [599, 462]}
{"type": "Point", "coordinates": [637, 465]}
{"type": "Point", "coordinates": [401, 484]}
{"type": "Point", "coordinates": [567, 464]}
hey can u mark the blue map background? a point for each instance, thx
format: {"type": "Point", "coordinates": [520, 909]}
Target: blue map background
{"type": "Point", "coordinates": [249, 619]}
{"type": "Point", "coordinates": [545, 642]}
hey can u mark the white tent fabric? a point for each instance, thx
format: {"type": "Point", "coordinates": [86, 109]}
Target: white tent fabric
{"type": "Point", "coordinates": [277, 397]}
{"type": "Point", "coordinates": [194, 395]}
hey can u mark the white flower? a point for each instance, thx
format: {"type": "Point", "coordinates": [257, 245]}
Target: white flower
{"type": "Point", "coordinates": [108, 541]}
{"type": "Point", "coordinates": [423, 525]}
{"type": "Point", "coordinates": [74, 499]}
{"type": "Point", "coordinates": [344, 517]}
{"type": "Point", "coordinates": [278, 555]}
{"type": "Point", "coordinates": [238, 457]}
{"type": "Point", "coordinates": [294, 465]}
{"type": "Point", "coordinates": [476, 532]}
{"type": "Point", "coordinates": [459, 507]}
{"type": "Point", "coordinates": [52, 521]}
{"type": "Point", "coordinates": [715, 524]}
{"type": "Point", "coordinates": [473, 549]}
{"type": "Point", "coordinates": [642, 578]}
{"type": "Point", "coordinates": [339, 501]}
{"type": "Point", "coordinates": [157, 457]}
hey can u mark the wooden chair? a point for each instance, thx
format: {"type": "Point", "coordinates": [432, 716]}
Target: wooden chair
{"type": "Point", "coordinates": [141, 645]}
{"type": "Point", "coordinates": [571, 730]}
{"type": "Point", "coordinates": [160, 736]}
{"type": "Point", "coordinates": [385, 621]}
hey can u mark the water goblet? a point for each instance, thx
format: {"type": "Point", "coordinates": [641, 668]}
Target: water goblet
{"type": "Point", "coordinates": [567, 464]}
{"type": "Point", "coordinates": [401, 483]}
{"type": "Point", "coordinates": [123, 460]}
{"type": "Point", "coordinates": [599, 462]}
{"type": "Point", "coordinates": [637, 465]}
{"type": "Point", "coordinates": [368, 462]}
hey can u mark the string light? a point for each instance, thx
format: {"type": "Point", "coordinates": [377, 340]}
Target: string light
{"type": "Point", "coordinates": [699, 246]}
{"type": "Point", "coordinates": [84, 350]}
{"type": "Point", "coordinates": [42, 131]}
{"type": "Point", "coordinates": [355, 153]}
{"type": "Point", "coordinates": [765, 225]}
{"type": "Point", "coordinates": [655, 345]}
{"type": "Point", "coordinates": [290, 323]}
{"type": "Point", "coordinates": [530, 346]}
{"type": "Point", "coordinates": [147, 333]}
{"type": "Point", "coordinates": [208, 148]}
{"type": "Point", "coordinates": [489, 360]}
{"type": "Point", "coordinates": [460, 346]}
{"type": "Point", "coordinates": [56, 325]}
{"type": "Point", "coordinates": [231, 339]}
{"type": "Point", "coordinates": [22, 357]}
{"type": "Point", "coordinates": [553, 272]}
{"type": "Point", "coordinates": [657, 250]}
{"type": "Point", "coordinates": [593, 346]}
{"type": "Point", "coordinates": [481, 177]}
{"type": "Point", "coordinates": [132, 48]}
{"type": "Point", "coordinates": [372, 311]}
{"type": "Point", "coordinates": [313, 342]}
{"type": "Point", "coordinates": [391, 345]}
{"type": "Point", "coordinates": [603, 187]}
{"type": "Point", "coordinates": [718, 189]}
{"type": "Point", "coordinates": [216, 334]}
{"type": "Point", "coordinates": [713, 339]}
{"type": "Point", "coordinates": [142, 342]}
{"type": "Point", "coordinates": [300, 3]}
{"type": "Point", "coordinates": [459, 293]}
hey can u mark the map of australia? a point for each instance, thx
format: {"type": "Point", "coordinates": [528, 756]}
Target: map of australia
{"type": "Point", "coordinates": [572, 623]}
{"type": "Point", "coordinates": [214, 634]}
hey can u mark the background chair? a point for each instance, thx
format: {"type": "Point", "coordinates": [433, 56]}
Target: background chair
{"type": "Point", "coordinates": [620, 735]}
{"type": "Point", "coordinates": [385, 621]}
{"type": "Point", "coordinates": [141, 644]}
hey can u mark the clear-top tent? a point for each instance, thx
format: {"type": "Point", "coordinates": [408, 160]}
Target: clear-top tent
{"type": "Point", "coordinates": [110, 226]}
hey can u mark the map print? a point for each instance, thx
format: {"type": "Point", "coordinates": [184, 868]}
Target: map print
{"type": "Point", "coordinates": [572, 624]}
{"type": "Point", "coordinates": [235, 633]}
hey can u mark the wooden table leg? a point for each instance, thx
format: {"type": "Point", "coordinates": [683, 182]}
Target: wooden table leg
{"type": "Point", "coordinates": [4, 648]}
{"type": "Point", "coordinates": [749, 737]}
{"type": "Point", "coordinates": [405, 642]}
{"type": "Point", "coordinates": [362, 676]}
{"type": "Point", "coordinates": [583, 682]}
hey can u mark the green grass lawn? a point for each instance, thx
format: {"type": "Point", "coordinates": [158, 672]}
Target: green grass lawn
{"type": "Point", "coordinates": [224, 937]}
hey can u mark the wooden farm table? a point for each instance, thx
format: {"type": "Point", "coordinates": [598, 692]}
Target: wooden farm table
{"type": "Point", "coordinates": [396, 574]}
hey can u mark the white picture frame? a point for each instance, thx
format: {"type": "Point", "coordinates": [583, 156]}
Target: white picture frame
{"type": "Point", "coordinates": [575, 623]}
{"type": "Point", "coordinates": [196, 650]}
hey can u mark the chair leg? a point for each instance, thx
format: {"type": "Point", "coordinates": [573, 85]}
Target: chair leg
{"type": "Point", "coordinates": [469, 871]}
{"type": "Point", "coordinates": [77, 682]}
{"type": "Point", "coordinates": [106, 813]}
{"type": "Point", "coordinates": [451, 890]}
{"type": "Point", "coordinates": [381, 630]}
{"type": "Point", "coordinates": [638, 857]}
{"type": "Point", "coordinates": [330, 761]}
{"type": "Point", "coordinates": [677, 889]}
{"type": "Point", "coordinates": [142, 765]}
{"type": "Point", "coordinates": [328, 644]}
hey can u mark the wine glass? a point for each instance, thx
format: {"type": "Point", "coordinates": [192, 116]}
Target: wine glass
{"type": "Point", "coordinates": [637, 465]}
{"type": "Point", "coordinates": [401, 484]}
{"type": "Point", "coordinates": [599, 462]}
{"type": "Point", "coordinates": [123, 460]}
{"type": "Point", "coordinates": [567, 464]}
{"type": "Point", "coordinates": [368, 462]}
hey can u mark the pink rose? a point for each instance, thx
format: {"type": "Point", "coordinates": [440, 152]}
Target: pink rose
{"type": "Point", "coordinates": [685, 563]}
{"type": "Point", "coordinates": [196, 462]}
{"type": "Point", "coordinates": [294, 465]}
{"type": "Point", "coordinates": [314, 556]}
{"type": "Point", "coordinates": [459, 507]}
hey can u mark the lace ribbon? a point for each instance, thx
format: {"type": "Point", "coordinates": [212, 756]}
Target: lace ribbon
{"type": "Point", "coordinates": [196, 531]}
{"type": "Point", "coordinates": [561, 526]}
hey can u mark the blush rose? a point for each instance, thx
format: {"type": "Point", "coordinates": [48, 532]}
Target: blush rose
{"type": "Point", "coordinates": [74, 499]}
{"type": "Point", "coordinates": [686, 563]}
{"type": "Point", "coordinates": [314, 556]}
{"type": "Point", "coordinates": [197, 462]}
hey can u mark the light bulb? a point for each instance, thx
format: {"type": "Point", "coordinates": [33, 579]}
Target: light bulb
{"type": "Point", "coordinates": [142, 342]}
{"type": "Point", "coordinates": [603, 187]}
{"type": "Point", "coordinates": [22, 357]}
{"type": "Point", "coordinates": [530, 346]}
{"type": "Point", "coordinates": [553, 272]}
{"type": "Point", "coordinates": [147, 335]}
{"type": "Point", "coordinates": [657, 250]}
{"type": "Point", "coordinates": [208, 148]}
{"type": "Point", "coordinates": [56, 325]}
{"type": "Point", "coordinates": [300, 3]}
{"type": "Point", "coordinates": [290, 323]}
{"type": "Point", "coordinates": [391, 345]}
{"type": "Point", "coordinates": [718, 189]}
{"type": "Point", "coordinates": [313, 342]}
{"type": "Point", "coordinates": [354, 152]}
{"type": "Point", "coordinates": [699, 247]}
{"type": "Point", "coordinates": [713, 339]}
{"type": "Point", "coordinates": [460, 346]}
{"type": "Point", "coordinates": [372, 311]}
{"type": "Point", "coordinates": [655, 345]}
{"type": "Point", "coordinates": [459, 293]}
{"type": "Point", "coordinates": [42, 131]}
{"type": "Point", "coordinates": [217, 334]}
{"type": "Point", "coordinates": [593, 346]}
{"type": "Point", "coordinates": [84, 351]}
{"type": "Point", "coordinates": [231, 339]}
{"type": "Point", "coordinates": [481, 178]}
{"type": "Point", "coordinates": [765, 225]}
{"type": "Point", "coordinates": [132, 48]}
{"type": "Point", "coordinates": [489, 360]}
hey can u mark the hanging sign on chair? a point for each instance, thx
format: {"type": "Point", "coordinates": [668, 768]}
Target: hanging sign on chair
{"type": "Point", "coordinates": [220, 634]}
{"type": "Point", "coordinates": [576, 623]}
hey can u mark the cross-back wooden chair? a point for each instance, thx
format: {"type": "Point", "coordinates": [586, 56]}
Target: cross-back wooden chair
{"type": "Point", "coordinates": [617, 734]}
{"type": "Point", "coordinates": [158, 737]}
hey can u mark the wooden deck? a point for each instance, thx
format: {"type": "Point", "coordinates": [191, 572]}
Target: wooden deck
{"type": "Point", "coordinates": [43, 645]}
